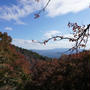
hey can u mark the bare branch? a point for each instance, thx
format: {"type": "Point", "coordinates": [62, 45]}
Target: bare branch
{"type": "Point", "coordinates": [80, 37]}
{"type": "Point", "coordinates": [37, 15]}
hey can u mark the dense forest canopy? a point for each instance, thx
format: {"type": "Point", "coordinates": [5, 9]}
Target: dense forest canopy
{"type": "Point", "coordinates": [21, 69]}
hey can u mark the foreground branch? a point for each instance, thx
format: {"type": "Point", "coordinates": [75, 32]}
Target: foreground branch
{"type": "Point", "coordinates": [37, 15]}
{"type": "Point", "coordinates": [80, 37]}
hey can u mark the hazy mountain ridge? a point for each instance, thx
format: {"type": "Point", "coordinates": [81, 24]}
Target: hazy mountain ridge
{"type": "Point", "coordinates": [54, 53]}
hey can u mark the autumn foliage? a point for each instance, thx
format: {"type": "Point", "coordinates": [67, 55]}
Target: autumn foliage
{"type": "Point", "coordinates": [14, 68]}
{"type": "Point", "coordinates": [19, 71]}
{"type": "Point", "coordinates": [70, 73]}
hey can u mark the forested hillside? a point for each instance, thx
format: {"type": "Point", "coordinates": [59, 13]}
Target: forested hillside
{"type": "Point", "coordinates": [17, 72]}
{"type": "Point", "coordinates": [30, 54]}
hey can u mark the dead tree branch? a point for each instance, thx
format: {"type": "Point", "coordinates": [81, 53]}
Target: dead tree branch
{"type": "Point", "coordinates": [37, 15]}
{"type": "Point", "coordinates": [80, 36]}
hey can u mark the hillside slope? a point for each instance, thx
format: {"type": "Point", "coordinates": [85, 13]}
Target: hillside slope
{"type": "Point", "coordinates": [30, 54]}
{"type": "Point", "coordinates": [21, 69]}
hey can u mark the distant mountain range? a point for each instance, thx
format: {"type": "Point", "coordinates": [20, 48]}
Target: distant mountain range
{"type": "Point", "coordinates": [53, 53]}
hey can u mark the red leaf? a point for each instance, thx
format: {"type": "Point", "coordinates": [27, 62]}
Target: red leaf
{"type": "Point", "coordinates": [36, 16]}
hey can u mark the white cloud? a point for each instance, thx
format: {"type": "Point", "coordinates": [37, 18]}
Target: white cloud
{"type": "Point", "coordinates": [24, 8]}
{"type": "Point", "coordinates": [28, 44]}
{"type": "Point", "coordinates": [88, 44]}
{"type": "Point", "coordinates": [58, 7]}
{"type": "Point", "coordinates": [8, 28]}
{"type": "Point", "coordinates": [51, 33]}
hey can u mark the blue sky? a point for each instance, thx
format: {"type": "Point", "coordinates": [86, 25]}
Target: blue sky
{"type": "Point", "coordinates": [16, 18]}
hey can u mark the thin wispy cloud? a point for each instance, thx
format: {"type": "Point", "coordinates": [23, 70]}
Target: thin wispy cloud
{"type": "Point", "coordinates": [23, 8]}
{"type": "Point", "coordinates": [8, 28]}
{"type": "Point", "coordinates": [16, 12]}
